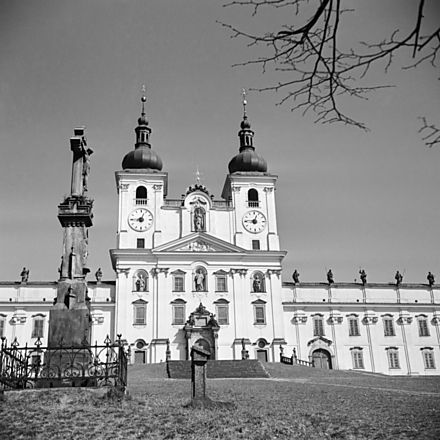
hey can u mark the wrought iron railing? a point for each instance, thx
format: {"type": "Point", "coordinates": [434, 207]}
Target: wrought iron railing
{"type": "Point", "coordinates": [60, 366]}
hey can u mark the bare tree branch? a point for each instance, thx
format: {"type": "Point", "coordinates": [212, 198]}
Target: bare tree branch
{"type": "Point", "coordinates": [318, 72]}
{"type": "Point", "coordinates": [431, 133]}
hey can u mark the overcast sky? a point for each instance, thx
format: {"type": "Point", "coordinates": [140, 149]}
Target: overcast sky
{"type": "Point", "coordinates": [344, 197]}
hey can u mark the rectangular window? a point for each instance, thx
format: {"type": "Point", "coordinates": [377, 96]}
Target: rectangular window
{"type": "Point", "coordinates": [2, 327]}
{"type": "Point", "coordinates": [428, 357]}
{"type": "Point", "coordinates": [393, 359]}
{"type": "Point", "coordinates": [38, 328]}
{"type": "Point", "coordinates": [388, 326]}
{"type": "Point", "coordinates": [260, 314]}
{"type": "Point", "coordinates": [222, 314]}
{"type": "Point", "coordinates": [140, 314]}
{"type": "Point", "coordinates": [255, 245]}
{"type": "Point", "coordinates": [353, 327]}
{"type": "Point", "coordinates": [358, 360]}
{"type": "Point", "coordinates": [178, 284]}
{"type": "Point", "coordinates": [221, 283]}
{"type": "Point", "coordinates": [178, 314]}
{"type": "Point", "coordinates": [423, 327]}
{"type": "Point", "coordinates": [318, 327]}
{"type": "Point", "coordinates": [140, 243]}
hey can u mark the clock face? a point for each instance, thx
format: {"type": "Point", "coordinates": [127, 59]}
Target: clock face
{"type": "Point", "coordinates": [140, 219]}
{"type": "Point", "coordinates": [254, 221]}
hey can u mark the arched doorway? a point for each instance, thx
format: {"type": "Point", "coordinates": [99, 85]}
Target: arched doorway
{"type": "Point", "coordinates": [322, 359]}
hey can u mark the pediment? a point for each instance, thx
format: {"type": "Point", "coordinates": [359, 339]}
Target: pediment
{"type": "Point", "coordinates": [320, 340]}
{"type": "Point", "coordinates": [199, 242]}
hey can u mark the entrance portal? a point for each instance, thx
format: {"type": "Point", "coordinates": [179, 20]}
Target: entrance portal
{"type": "Point", "coordinates": [262, 355]}
{"type": "Point", "coordinates": [322, 359]}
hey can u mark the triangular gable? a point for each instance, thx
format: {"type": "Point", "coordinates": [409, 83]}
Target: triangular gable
{"type": "Point", "coordinates": [199, 242]}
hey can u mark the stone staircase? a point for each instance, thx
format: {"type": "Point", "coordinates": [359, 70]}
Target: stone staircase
{"type": "Point", "coordinates": [219, 369]}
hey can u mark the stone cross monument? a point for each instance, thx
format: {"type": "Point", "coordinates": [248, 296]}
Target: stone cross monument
{"type": "Point", "coordinates": [70, 317]}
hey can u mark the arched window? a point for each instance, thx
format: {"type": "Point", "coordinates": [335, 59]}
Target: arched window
{"type": "Point", "coordinates": [357, 358]}
{"type": "Point", "coordinates": [179, 311]}
{"type": "Point", "coordinates": [318, 324]}
{"type": "Point", "coordinates": [38, 325]}
{"type": "Point", "coordinates": [141, 195]}
{"type": "Point", "coordinates": [222, 311]}
{"type": "Point", "coordinates": [259, 312]}
{"type": "Point", "coordinates": [393, 357]}
{"type": "Point", "coordinates": [140, 281]}
{"type": "Point", "coordinates": [423, 325]}
{"type": "Point", "coordinates": [258, 282]}
{"type": "Point", "coordinates": [253, 201]}
{"type": "Point", "coordinates": [140, 312]}
{"type": "Point", "coordinates": [428, 357]}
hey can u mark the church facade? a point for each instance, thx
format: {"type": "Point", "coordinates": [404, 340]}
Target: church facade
{"type": "Point", "coordinates": [206, 271]}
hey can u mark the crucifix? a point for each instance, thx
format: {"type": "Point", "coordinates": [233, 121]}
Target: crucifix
{"type": "Point", "coordinates": [81, 162]}
{"type": "Point", "coordinates": [144, 98]}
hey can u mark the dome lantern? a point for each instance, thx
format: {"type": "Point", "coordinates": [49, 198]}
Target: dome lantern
{"type": "Point", "coordinates": [142, 157]}
{"type": "Point", "coordinates": [247, 160]}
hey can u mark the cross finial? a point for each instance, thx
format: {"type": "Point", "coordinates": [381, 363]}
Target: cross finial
{"type": "Point", "coordinates": [198, 174]}
{"type": "Point", "coordinates": [243, 93]}
{"type": "Point", "coordinates": [144, 98]}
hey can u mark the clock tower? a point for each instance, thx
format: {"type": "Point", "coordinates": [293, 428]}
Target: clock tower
{"type": "Point", "coordinates": [142, 188]}
{"type": "Point", "coordinates": [252, 191]}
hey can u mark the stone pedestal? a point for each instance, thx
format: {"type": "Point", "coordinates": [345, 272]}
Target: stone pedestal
{"type": "Point", "coordinates": [199, 358]}
{"type": "Point", "coordinates": [70, 318]}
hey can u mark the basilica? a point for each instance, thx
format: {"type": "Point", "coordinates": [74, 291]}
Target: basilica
{"type": "Point", "coordinates": [201, 270]}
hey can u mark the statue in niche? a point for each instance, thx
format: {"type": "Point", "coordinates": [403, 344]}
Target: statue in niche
{"type": "Point", "coordinates": [256, 284]}
{"type": "Point", "coordinates": [330, 279]}
{"type": "Point", "coordinates": [199, 219]}
{"type": "Point", "coordinates": [363, 275]}
{"type": "Point", "coordinates": [24, 275]}
{"type": "Point", "coordinates": [399, 278]}
{"type": "Point", "coordinates": [431, 278]}
{"type": "Point", "coordinates": [141, 285]}
{"type": "Point", "coordinates": [295, 277]}
{"type": "Point", "coordinates": [98, 275]}
{"type": "Point", "coordinates": [199, 280]}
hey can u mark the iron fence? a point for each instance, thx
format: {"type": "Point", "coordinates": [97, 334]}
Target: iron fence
{"type": "Point", "coordinates": [62, 365]}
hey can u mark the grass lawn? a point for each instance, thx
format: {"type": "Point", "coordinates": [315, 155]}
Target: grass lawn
{"type": "Point", "coordinates": [297, 402]}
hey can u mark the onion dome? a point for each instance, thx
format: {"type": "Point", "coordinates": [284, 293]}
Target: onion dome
{"type": "Point", "coordinates": [142, 156]}
{"type": "Point", "coordinates": [247, 159]}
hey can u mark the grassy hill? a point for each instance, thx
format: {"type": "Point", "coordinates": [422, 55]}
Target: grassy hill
{"type": "Point", "coordinates": [295, 403]}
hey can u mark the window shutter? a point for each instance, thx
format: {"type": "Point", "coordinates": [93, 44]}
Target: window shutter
{"type": "Point", "coordinates": [259, 315]}
{"type": "Point", "coordinates": [423, 327]}
{"type": "Point", "coordinates": [140, 314]}
{"type": "Point", "coordinates": [179, 315]}
{"type": "Point", "coordinates": [354, 327]}
{"type": "Point", "coordinates": [2, 327]}
{"type": "Point", "coordinates": [38, 328]}
{"type": "Point", "coordinates": [222, 315]}
{"type": "Point", "coordinates": [318, 327]}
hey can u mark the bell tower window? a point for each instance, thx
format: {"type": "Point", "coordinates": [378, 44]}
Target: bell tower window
{"type": "Point", "coordinates": [253, 201]}
{"type": "Point", "coordinates": [141, 195]}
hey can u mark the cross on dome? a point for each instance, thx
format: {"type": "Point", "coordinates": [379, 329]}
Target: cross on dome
{"type": "Point", "coordinates": [198, 175]}
{"type": "Point", "coordinates": [243, 94]}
